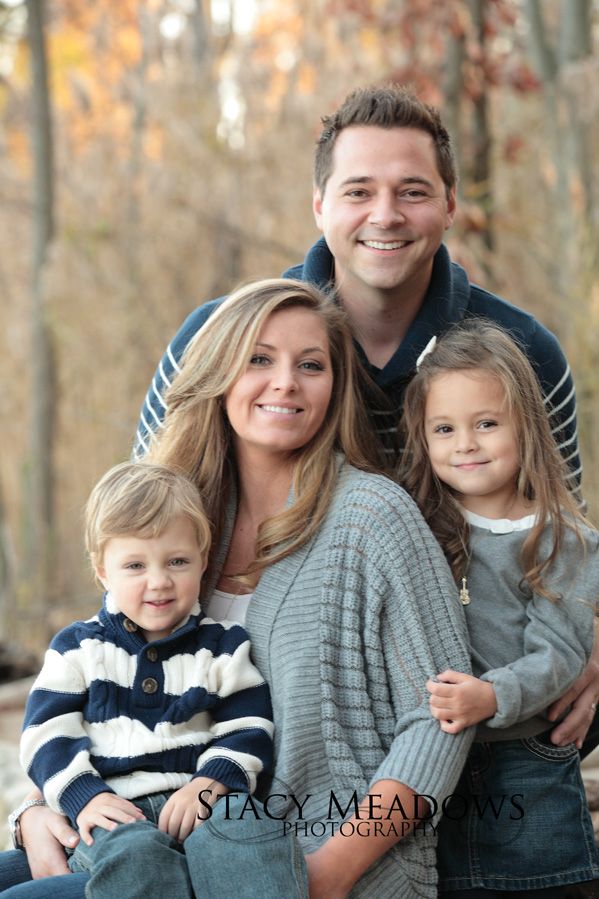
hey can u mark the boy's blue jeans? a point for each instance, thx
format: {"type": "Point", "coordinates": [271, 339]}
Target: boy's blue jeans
{"type": "Point", "coordinates": [134, 858]}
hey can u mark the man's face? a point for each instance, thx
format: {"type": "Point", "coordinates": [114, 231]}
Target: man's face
{"type": "Point", "coordinates": [384, 211]}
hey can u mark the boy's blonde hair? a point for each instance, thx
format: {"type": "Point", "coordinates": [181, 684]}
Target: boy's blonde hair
{"type": "Point", "coordinates": [478, 344]}
{"type": "Point", "coordinates": [141, 499]}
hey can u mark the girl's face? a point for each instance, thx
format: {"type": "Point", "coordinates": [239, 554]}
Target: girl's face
{"type": "Point", "coordinates": [472, 442]}
{"type": "Point", "coordinates": [280, 401]}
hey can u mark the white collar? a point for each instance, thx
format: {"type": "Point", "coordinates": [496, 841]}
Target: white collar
{"type": "Point", "coordinates": [500, 525]}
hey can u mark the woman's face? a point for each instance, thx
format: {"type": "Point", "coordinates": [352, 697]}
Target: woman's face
{"type": "Point", "coordinates": [280, 401]}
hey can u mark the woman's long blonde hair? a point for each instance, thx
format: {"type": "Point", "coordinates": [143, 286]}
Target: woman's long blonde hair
{"type": "Point", "coordinates": [197, 437]}
{"type": "Point", "coordinates": [543, 477]}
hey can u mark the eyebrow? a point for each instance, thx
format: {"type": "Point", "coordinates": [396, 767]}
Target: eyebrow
{"type": "Point", "coordinates": [308, 349]}
{"type": "Point", "coordinates": [483, 413]}
{"type": "Point", "coordinates": [367, 179]}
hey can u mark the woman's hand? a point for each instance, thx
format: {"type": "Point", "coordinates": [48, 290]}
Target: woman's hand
{"type": "Point", "coordinates": [45, 836]}
{"type": "Point", "coordinates": [183, 812]}
{"type": "Point", "coordinates": [323, 880]}
{"type": "Point", "coordinates": [106, 810]}
{"type": "Point", "coordinates": [460, 700]}
{"type": "Point", "coordinates": [338, 864]}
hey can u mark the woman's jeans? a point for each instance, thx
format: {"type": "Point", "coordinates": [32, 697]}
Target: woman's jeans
{"type": "Point", "coordinates": [15, 881]}
{"type": "Point", "coordinates": [223, 857]}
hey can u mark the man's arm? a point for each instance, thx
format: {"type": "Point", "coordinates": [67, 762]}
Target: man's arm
{"type": "Point", "coordinates": [153, 410]}
{"type": "Point", "coordinates": [583, 696]}
{"type": "Point", "coordinates": [557, 385]}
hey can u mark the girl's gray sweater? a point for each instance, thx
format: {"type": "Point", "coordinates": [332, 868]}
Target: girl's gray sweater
{"type": "Point", "coordinates": [529, 648]}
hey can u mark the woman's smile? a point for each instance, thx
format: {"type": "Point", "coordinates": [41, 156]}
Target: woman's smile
{"type": "Point", "coordinates": [280, 402]}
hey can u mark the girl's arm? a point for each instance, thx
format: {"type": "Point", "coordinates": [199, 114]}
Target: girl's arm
{"type": "Point", "coordinates": [460, 700]}
{"type": "Point", "coordinates": [557, 643]}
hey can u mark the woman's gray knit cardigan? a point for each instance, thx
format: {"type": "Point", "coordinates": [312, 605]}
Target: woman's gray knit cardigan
{"type": "Point", "coordinates": [346, 631]}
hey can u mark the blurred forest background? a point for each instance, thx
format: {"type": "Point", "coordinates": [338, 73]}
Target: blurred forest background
{"type": "Point", "coordinates": [153, 153]}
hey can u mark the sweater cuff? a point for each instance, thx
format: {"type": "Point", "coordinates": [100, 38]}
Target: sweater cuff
{"type": "Point", "coordinates": [427, 760]}
{"type": "Point", "coordinates": [75, 797]}
{"type": "Point", "coordinates": [228, 773]}
{"type": "Point", "coordinates": [508, 695]}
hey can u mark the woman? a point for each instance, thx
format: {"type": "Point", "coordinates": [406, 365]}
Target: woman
{"type": "Point", "coordinates": [350, 607]}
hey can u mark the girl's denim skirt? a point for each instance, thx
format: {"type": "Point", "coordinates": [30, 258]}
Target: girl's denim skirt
{"type": "Point", "coordinates": [518, 820]}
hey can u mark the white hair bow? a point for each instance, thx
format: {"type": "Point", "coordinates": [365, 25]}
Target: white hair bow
{"type": "Point", "coordinates": [428, 349]}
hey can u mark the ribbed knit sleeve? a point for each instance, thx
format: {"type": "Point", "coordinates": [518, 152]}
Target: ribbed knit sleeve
{"type": "Point", "coordinates": [550, 642]}
{"type": "Point", "coordinates": [390, 620]}
{"type": "Point", "coordinates": [55, 747]}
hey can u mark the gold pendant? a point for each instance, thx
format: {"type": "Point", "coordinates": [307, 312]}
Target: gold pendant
{"type": "Point", "coordinates": [464, 595]}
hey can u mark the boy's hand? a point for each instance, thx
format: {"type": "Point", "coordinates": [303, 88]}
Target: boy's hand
{"type": "Point", "coordinates": [106, 810]}
{"type": "Point", "coordinates": [183, 811]}
{"type": "Point", "coordinates": [460, 700]}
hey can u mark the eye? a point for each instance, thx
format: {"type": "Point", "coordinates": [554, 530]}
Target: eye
{"type": "Point", "coordinates": [311, 365]}
{"type": "Point", "coordinates": [442, 429]}
{"type": "Point", "coordinates": [259, 359]}
{"type": "Point", "coordinates": [487, 424]}
{"type": "Point", "coordinates": [357, 193]}
{"type": "Point", "coordinates": [413, 194]}
{"type": "Point", "coordinates": [179, 562]}
{"type": "Point", "coordinates": [134, 566]}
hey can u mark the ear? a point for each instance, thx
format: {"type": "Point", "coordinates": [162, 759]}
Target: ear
{"type": "Point", "coordinates": [317, 207]}
{"type": "Point", "coordinates": [451, 208]}
{"type": "Point", "coordinates": [99, 571]}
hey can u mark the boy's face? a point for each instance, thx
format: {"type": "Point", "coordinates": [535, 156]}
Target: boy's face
{"type": "Point", "coordinates": [154, 581]}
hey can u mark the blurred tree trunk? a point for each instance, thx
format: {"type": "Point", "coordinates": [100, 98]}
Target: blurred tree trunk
{"type": "Point", "coordinates": [567, 131]}
{"type": "Point", "coordinates": [43, 399]}
{"type": "Point", "coordinates": [201, 36]}
{"type": "Point", "coordinates": [453, 87]}
{"type": "Point", "coordinates": [481, 163]}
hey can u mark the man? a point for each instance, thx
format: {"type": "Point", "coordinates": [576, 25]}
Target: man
{"type": "Point", "coordinates": [384, 195]}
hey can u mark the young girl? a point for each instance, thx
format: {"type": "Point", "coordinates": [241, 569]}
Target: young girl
{"type": "Point", "coordinates": [484, 468]}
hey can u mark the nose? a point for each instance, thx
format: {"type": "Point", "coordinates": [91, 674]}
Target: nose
{"type": "Point", "coordinates": [284, 377]}
{"type": "Point", "coordinates": [159, 578]}
{"type": "Point", "coordinates": [466, 441]}
{"type": "Point", "coordinates": [386, 210]}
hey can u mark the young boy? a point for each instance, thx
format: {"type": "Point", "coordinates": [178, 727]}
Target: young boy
{"type": "Point", "coordinates": [139, 709]}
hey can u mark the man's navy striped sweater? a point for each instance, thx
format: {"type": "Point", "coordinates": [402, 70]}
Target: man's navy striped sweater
{"type": "Point", "coordinates": [450, 299]}
{"type": "Point", "coordinates": [112, 712]}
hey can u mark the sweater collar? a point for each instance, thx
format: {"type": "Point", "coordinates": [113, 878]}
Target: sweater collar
{"type": "Point", "coordinates": [128, 631]}
{"type": "Point", "coordinates": [444, 304]}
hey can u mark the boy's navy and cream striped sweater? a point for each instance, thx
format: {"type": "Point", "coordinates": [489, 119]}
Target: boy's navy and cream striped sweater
{"type": "Point", "coordinates": [112, 712]}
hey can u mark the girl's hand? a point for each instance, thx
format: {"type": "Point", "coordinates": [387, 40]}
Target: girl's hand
{"type": "Point", "coordinates": [106, 810]}
{"type": "Point", "coordinates": [460, 700]}
{"type": "Point", "coordinates": [45, 835]}
{"type": "Point", "coordinates": [183, 811]}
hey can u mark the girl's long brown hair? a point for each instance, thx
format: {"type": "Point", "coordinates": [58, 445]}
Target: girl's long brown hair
{"type": "Point", "coordinates": [480, 345]}
{"type": "Point", "coordinates": [196, 437]}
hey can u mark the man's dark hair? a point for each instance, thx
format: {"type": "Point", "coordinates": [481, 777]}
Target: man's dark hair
{"type": "Point", "coordinates": [388, 106]}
